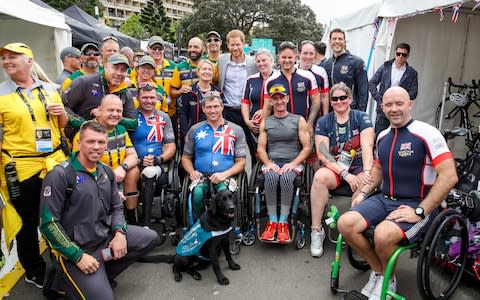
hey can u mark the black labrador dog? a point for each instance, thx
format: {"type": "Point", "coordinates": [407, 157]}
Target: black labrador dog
{"type": "Point", "coordinates": [203, 243]}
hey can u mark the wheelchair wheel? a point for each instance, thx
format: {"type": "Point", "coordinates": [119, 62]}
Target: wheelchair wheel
{"type": "Point", "coordinates": [242, 200]}
{"type": "Point", "coordinates": [249, 238]}
{"type": "Point", "coordinates": [356, 260]}
{"type": "Point", "coordinates": [443, 256]}
{"type": "Point", "coordinates": [183, 212]}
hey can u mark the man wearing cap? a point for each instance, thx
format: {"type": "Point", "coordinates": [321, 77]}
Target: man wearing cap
{"type": "Point", "coordinates": [90, 62]}
{"type": "Point", "coordinates": [145, 76]}
{"type": "Point", "coordinates": [283, 145]}
{"type": "Point", "coordinates": [70, 58]}
{"type": "Point", "coordinates": [109, 47]}
{"type": "Point", "coordinates": [214, 46]}
{"type": "Point", "coordinates": [31, 115]}
{"type": "Point", "coordinates": [84, 95]}
{"type": "Point", "coordinates": [233, 70]}
{"type": "Point", "coordinates": [139, 53]}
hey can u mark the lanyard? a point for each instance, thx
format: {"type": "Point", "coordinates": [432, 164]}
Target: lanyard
{"type": "Point", "coordinates": [118, 149]}
{"type": "Point", "coordinates": [337, 131]}
{"type": "Point", "coordinates": [191, 74]}
{"type": "Point", "coordinates": [30, 110]}
{"type": "Point", "coordinates": [102, 81]}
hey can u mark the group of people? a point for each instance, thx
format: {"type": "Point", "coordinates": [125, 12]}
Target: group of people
{"type": "Point", "coordinates": [124, 112]}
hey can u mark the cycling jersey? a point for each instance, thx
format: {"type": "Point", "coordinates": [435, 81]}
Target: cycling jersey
{"type": "Point", "coordinates": [215, 150]}
{"type": "Point", "coordinates": [408, 156]}
{"type": "Point", "coordinates": [254, 92]}
{"type": "Point", "coordinates": [301, 86]}
{"type": "Point", "coordinates": [344, 136]}
{"type": "Point", "coordinates": [152, 133]}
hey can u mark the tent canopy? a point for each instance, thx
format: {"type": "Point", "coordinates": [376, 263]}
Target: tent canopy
{"type": "Point", "coordinates": [45, 31]}
{"type": "Point", "coordinates": [99, 28]}
{"type": "Point", "coordinates": [439, 49]}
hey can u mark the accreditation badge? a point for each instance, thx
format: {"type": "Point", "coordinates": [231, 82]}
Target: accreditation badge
{"type": "Point", "coordinates": [43, 140]}
{"type": "Point", "coordinates": [345, 160]}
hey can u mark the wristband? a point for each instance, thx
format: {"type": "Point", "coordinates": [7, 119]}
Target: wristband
{"type": "Point", "coordinates": [343, 173]}
{"type": "Point", "coordinates": [121, 231]}
{"type": "Point", "coordinates": [363, 194]}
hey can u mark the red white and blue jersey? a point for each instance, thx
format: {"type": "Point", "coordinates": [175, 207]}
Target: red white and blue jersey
{"type": "Point", "coordinates": [152, 133]}
{"type": "Point", "coordinates": [215, 150]}
{"type": "Point", "coordinates": [322, 78]}
{"type": "Point", "coordinates": [408, 156]}
{"type": "Point", "coordinates": [254, 92]}
{"type": "Point", "coordinates": [301, 86]}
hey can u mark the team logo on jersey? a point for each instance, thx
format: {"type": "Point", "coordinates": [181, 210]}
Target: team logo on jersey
{"type": "Point", "coordinates": [95, 93]}
{"type": "Point", "coordinates": [226, 141]}
{"type": "Point", "coordinates": [355, 132]}
{"type": "Point", "coordinates": [405, 150]}
{"type": "Point", "coordinates": [47, 192]}
{"type": "Point", "coordinates": [301, 87]}
{"type": "Point", "coordinates": [201, 134]}
{"type": "Point", "coordinates": [343, 70]}
{"type": "Point", "coordinates": [156, 133]}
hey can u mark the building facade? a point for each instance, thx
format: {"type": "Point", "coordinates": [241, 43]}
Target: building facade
{"type": "Point", "coordinates": [118, 11]}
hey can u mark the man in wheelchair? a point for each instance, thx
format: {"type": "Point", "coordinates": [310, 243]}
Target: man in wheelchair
{"type": "Point", "coordinates": [215, 149]}
{"type": "Point", "coordinates": [417, 170]}
{"type": "Point", "coordinates": [283, 145]}
{"type": "Point", "coordinates": [154, 142]}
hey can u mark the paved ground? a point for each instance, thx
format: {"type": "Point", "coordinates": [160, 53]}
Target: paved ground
{"type": "Point", "coordinates": [268, 272]}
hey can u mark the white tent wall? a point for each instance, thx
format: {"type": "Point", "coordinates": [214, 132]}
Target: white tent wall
{"type": "Point", "coordinates": [43, 30]}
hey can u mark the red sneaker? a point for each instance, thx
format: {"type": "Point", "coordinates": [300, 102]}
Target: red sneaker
{"type": "Point", "coordinates": [269, 233]}
{"type": "Point", "coordinates": [283, 235]}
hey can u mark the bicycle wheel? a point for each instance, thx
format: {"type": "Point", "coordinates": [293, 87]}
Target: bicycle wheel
{"type": "Point", "coordinates": [442, 256]}
{"type": "Point", "coordinates": [356, 260]}
{"type": "Point", "coordinates": [452, 116]}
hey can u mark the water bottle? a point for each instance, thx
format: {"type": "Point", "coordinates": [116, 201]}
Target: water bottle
{"type": "Point", "coordinates": [12, 181]}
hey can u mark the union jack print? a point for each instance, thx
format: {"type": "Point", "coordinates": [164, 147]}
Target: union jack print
{"type": "Point", "coordinates": [156, 133]}
{"type": "Point", "coordinates": [226, 141]}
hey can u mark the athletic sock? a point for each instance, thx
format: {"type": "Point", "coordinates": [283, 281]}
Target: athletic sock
{"type": "Point", "coordinates": [273, 218]}
{"type": "Point", "coordinates": [283, 219]}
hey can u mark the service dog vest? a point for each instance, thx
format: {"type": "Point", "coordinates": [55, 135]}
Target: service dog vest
{"type": "Point", "coordinates": [195, 238]}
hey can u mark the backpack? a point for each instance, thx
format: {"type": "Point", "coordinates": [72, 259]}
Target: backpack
{"type": "Point", "coordinates": [72, 179]}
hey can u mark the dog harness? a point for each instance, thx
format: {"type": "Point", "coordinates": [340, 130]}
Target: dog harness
{"type": "Point", "coordinates": [195, 238]}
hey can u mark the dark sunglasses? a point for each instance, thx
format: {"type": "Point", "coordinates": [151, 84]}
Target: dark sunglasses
{"type": "Point", "coordinates": [336, 98]}
{"type": "Point", "coordinates": [92, 53]}
{"type": "Point", "coordinates": [401, 54]}
{"type": "Point", "coordinates": [213, 40]}
{"type": "Point", "coordinates": [157, 49]}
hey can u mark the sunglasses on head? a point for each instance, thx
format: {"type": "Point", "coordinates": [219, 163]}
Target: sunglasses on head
{"type": "Point", "coordinates": [110, 37]}
{"type": "Point", "coordinates": [402, 54]}
{"type": "Point", "coordinates": [92, 53]}
{"type": "Point", "coordinates": [216, 40]}
{"type": "Point", "coordinates": [336, 98]}
{"type": "Point", "coordinates": [147, 86]}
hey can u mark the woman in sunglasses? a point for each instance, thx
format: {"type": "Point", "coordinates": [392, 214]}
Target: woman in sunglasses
{"type": "Point", "coordinates": [189, 105]}
{"type": "Point", "coordinates": [145, 76]}
{"type": "Point", "coordinates": [344, 145]}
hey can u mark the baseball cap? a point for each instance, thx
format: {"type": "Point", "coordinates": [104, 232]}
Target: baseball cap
{"type": "Point", "coordinates": [20, 48]}
{"type": "Point", "coordinates": [278, 89]}
{"type": "Point", "coordinates": [213, 32]}
{"type": "Point", "coordinates": [70, 51]}
{"type": "Point", "coordinates": [118, 59]}
{"type": "Point", "coordinates": [147, 60]}
{"type": "Point", "coordinates": [138, 52]}
{"type": "Point", "coordinates": [88, 46]}
{"type": "Point", "coordinates": [155, 40]}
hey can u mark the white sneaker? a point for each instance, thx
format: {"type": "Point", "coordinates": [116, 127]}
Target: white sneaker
{"type": "Point", "coordinates": [316, 244]}
{"type": "Point", "coordinates": [372, 280]}
{"type": "Point", "coordinates": [377, 291]}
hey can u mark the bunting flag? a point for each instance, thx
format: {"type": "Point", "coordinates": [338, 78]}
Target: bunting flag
{"type": "Point", "coordinates": [439, 10]}
{"type": "Point", "coordinates": [476, 5]}
{"type": "Point", "coordinates": [456, 12]}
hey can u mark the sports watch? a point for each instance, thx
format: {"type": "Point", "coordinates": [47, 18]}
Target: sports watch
{"type": "Point", "coordinates": [420, 212]}
{"type": "Point", "coordinates": [124, 166]}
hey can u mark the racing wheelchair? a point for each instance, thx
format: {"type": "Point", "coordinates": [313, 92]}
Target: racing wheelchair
{"type": "Point", "coordinates": [256, 212]}
{"type": "Point", "coordinates": [158, 201]}
{"type": "Point", "coordinates": [238, 185]}
{"type": "Point", "coordinates": [443, 254]}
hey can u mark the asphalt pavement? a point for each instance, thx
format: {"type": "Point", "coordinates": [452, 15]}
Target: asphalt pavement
{"type": "Point", "coordinates": [268, 271]}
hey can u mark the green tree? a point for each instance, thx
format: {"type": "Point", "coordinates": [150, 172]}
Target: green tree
{"type": "Point", "coordinates": [277, 19]}
{"type": "Point", "coordinates": [86, 5]}
{"type": "Point", "coordinates": [155, 20]}
{"type": "Point", "coordinates": [134, 28]}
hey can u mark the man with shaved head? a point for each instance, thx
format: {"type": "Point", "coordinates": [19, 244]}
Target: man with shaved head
{"type": "Point", "coordinates": [417, 170]}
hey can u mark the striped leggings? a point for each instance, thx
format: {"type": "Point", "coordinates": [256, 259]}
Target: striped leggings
{"type": "Point", "coordinates": [272, 179]}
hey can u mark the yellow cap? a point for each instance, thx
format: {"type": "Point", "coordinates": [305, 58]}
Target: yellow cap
{"type": "Point", "coordinates": [18, 48]}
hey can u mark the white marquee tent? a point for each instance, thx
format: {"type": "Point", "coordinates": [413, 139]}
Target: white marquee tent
{"type": "Point", "coordinates": [42, 29]}
{"type": "Point", "coordinates": [439, 49]}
